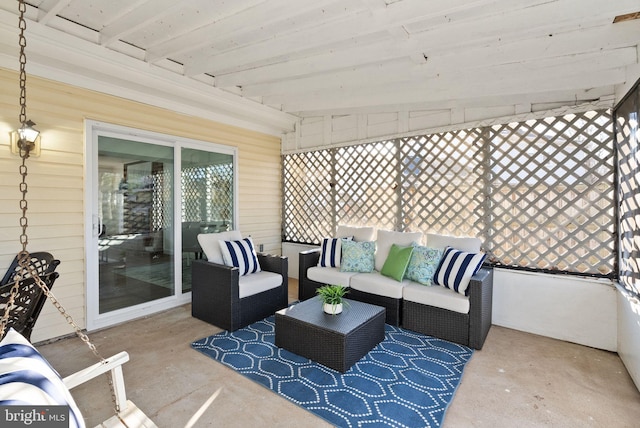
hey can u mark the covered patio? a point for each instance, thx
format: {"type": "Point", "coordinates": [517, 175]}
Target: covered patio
{"type": "Point", "coordinates": [518, 379]}
{"type": "Point", "coordinates": [492, 118]}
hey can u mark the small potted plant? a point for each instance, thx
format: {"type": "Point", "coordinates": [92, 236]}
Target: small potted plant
{"type": "Point", "coordinates": [331, 297]}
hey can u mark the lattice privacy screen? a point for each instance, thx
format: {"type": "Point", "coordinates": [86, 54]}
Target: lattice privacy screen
{"type": "Point", "coordinates": [628, 141]}
{"type": "Point", "coordinates": [540, 194]}
{"type": "Point", "coordinates": [162, 211]}
{"type": "Point", "coordinates": [443, 180]}
{"type": "Point", "coordinates": [309, 195]}
{"type": "Point", "coordinates": [552, 193]}
{"type": "Point", "coordinates": [207, 193]}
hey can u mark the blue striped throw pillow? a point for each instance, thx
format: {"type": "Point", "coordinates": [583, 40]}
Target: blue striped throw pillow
{"type": "Point", "coordinates": [240, 254]}
{"type": "Point", "coordinates": [331, 252]}
{"type": "Point", "coordinates": [456, 269]}
{"type": "Point", "coordinates": [27, 379]}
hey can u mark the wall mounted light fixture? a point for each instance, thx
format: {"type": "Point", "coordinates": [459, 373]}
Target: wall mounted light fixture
{"type": "Point", "coordinates": [26, 138]}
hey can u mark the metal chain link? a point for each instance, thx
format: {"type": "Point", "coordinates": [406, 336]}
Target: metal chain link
{"type": "Point", "coordinates": [24, 258]}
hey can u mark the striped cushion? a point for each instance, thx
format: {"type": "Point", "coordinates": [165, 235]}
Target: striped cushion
{"type": "Point", "coordinates": [456, 269]}
{"type": "Point", "coordinates": [331, 252]}
{"type": "Point", "coordinates": [240, 254]}
{"type": "Point", "coordinates": [27, 379]}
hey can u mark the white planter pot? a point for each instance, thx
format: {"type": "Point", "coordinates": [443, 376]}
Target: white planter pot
{"type": "Point", "coordinates": [332, 309]}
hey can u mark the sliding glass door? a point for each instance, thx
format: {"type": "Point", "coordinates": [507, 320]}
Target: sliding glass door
{"type": "Point", "coordinates": [143, 223]}
{"type": "Point", "coordinates": [135, 208]}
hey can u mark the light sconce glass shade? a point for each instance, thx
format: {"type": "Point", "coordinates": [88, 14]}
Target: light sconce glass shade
{"type": "Point", "coordinates": [26, 138]}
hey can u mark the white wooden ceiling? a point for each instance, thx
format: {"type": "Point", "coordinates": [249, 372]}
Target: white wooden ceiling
{"type": "Point", "coordinates": [327, 57]}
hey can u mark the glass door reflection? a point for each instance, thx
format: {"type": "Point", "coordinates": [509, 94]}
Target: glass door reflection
{"type": "Point", "coordinates": [207, 201]}
{"type": "Point", "coordinates": [135, 197]}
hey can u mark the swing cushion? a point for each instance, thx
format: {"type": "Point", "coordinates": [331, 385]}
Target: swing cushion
{"type": "Point", "coordinates": [27, 379]}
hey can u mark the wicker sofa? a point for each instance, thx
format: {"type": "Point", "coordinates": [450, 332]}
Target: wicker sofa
{"type": "Point", "coordinates": [223, 297]}
{"type": "Point", "coordinates": [432, 310]}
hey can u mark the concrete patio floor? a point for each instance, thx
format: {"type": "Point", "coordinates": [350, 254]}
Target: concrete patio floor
{"type": "Point", "coordinates": [517, 380]}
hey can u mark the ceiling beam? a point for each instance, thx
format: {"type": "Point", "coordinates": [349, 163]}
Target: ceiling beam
{"type": "Point", "coordinates": [335, 34]}
{"type": "Point", "coordinates": [142, 14]}
{"type": "Point", "coordinates": [541, 47]}
{"type": "Point", "coordinates": [569, 97]}
{"type": "Point", "coordinates": [69, 59]}
{"type": "Point", "coordinates": [259, 13]}
{"type": "Point", "coordinates": [45, 16]}
{"type": "Point", "coordinates": [495, 18]}
{"type": "Point", "coordinates": [443, 90]}
{"type": "Point", "coordinates": [381, 75]}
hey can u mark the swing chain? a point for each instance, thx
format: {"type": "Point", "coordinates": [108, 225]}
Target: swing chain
{"type": "Point", "coordinates": [26, 266]}
{"type": "Point", "coordinates": [24, 152]}
{"type": "Point", "coordinates": [24, 258]}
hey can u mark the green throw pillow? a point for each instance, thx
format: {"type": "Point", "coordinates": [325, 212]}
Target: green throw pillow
{"type": "Point", "coordinates": [397, 261]}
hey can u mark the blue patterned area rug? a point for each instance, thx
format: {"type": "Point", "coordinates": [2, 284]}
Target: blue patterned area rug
{"type": "Point", "coordinates": [408, 380]}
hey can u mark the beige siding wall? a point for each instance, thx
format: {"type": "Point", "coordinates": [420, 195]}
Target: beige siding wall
{"type": "Point", "coordinates": [56, 179]}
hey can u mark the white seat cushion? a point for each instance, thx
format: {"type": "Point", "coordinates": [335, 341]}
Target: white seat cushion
{"type": "Point", "coordinates": [327, 275]}
{"type": "Point", "coordinates": [388, 237]}
{"type": "Point", "coordinates": [471, 245]}
{"type": "Point", "coordinates": [255, 283]}
{"type": "Point", "coordinates": [434, 295]}
{"type": "Point", "coordinates": [375, 283]}
{"type": "Point", "coordinates": [210, 244]}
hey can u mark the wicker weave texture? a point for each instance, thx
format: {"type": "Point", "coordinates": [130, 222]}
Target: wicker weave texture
{"type": "Point", "coordinates": [436, 322]}
{"type": "Point", "coordinates": [335, 341]}
{"type": "Point", "coordinates": [467, 329]}
{"type": "Point", "coordinates": [393, 306]}
{"type": "Point", "coordinates": [307, 287]}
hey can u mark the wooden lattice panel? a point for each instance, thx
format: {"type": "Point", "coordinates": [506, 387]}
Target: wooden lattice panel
{"type": "Point", "coordinates": [207, 193]}
{"type": "Point", "coordinates": [443, 183]}
{"type": "Point", "coordinates": [628, 142]}
{"type": "Point", "coordinates": [540, 194]}
{"type": "Point", "coordinates": [552, 193]}
{"type": "Point", "coordinates": [367, 185]}
{"type": "Point", "coordinates": [308, 196]}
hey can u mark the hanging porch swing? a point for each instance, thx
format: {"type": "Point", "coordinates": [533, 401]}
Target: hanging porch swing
{"type": "Point", "coordinates": [26, 378]}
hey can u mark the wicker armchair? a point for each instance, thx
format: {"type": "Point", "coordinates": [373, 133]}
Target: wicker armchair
{"type": "Point", "coordinates": [215, 293]}
{"type": "Point", "coordinates": [30, 298]}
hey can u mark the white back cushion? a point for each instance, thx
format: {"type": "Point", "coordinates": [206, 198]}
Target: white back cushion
{"type": "Point", "coordinates": [360, 234]}
{"type": "Point", "coordinates": [210, 243]}
{"type": "Point", "coordinates": [471, 245]}
{"type": "Point", "coordinates": [387, 237]}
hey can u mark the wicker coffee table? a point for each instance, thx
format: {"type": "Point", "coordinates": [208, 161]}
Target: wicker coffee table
{"type": "Point", "coordinates": [336, 341]}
